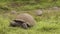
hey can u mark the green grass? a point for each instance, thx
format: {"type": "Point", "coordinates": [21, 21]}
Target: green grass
{"type": "Point", "coordinates": [29, 4]}
{"type": "Point", "coordinates": [48, 23]}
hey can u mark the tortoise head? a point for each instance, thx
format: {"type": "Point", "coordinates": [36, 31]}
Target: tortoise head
{"type": "Point", "coordinates": [15, 23]}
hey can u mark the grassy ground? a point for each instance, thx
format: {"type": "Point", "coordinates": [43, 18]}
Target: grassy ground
{"type": "Point", "coordinates": [48, 23]}
{"type": "Point", "coordinates": [28, 4]}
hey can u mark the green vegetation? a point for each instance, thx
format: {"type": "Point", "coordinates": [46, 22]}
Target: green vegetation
{"type": "Point", "coordinates": [29, 4]}
{"type": "Point", "coordinates": [47, 23]}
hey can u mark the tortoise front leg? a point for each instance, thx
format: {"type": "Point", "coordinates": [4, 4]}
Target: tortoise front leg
{"type": "Point", "coordinates": [24, 25]}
